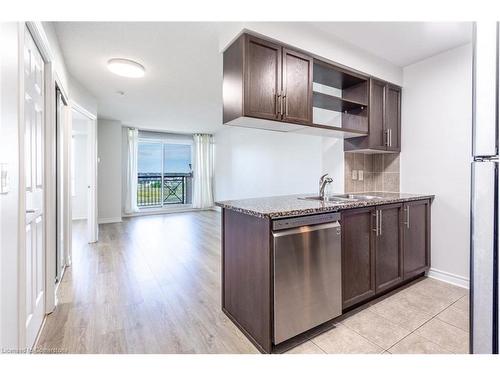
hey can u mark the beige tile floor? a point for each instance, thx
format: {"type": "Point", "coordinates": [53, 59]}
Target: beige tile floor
{"type": "Point", "coordinates": [428, 317]}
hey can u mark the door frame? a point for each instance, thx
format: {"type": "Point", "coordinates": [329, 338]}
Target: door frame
{"type": "Point", "coordinates": [92, 223]}
{"type": "Point", "coordinates": [51, 79]}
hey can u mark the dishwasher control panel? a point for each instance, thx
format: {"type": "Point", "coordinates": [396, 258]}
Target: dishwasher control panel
{"type": "Point", "coordinates": [299, 221]}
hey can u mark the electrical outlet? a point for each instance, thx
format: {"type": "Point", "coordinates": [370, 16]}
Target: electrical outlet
{"type": "Point", "coordinates": [360, 175]}
{"type": "Point", "coordinates": [354, 174]}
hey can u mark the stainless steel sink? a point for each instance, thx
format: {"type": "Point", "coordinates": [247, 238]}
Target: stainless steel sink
{"type": "Point", "coordinates": [361, 197]}
{"type": "Point", "coordinates": [342, 198]}
{"type": "Point", "coordinates": [329, 199]}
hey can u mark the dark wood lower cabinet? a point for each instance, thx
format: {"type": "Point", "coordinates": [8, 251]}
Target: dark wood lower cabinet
{"type": "Point", "coordinates": [389, 247]}
{"type": "Point", "coordinates": [416, 229]}
{"type": "Point", "coordinates": [358, 260]}
{"type": "Point", "coordinates": [383, 247]}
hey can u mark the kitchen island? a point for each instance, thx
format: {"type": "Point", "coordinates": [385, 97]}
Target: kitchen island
{"type": "Point", "coordinates": [291, 266]}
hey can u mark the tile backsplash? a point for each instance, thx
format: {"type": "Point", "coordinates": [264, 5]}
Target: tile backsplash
{"type": "Point", "coordinates": [380, 172]}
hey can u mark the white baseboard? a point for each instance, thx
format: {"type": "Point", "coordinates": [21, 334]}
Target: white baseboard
{"type": "Point", "coordinates": [109, 220]}
{"type": "Point", "coordinates": [449, 278]}
{"type": "Point", "coordinates": [216, 208]}
{"type": "Point", "coordinates": [163, 211]}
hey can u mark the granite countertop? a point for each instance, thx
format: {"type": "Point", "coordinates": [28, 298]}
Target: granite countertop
{"type": "Point", "coordinates": [292, 205]}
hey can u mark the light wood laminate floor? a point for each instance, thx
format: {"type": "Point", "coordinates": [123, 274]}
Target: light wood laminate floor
{"type": "Point", "coordinates": [152, 285]}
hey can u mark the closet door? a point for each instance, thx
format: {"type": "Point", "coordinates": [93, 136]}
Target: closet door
{"type": "Point", "coordinates": [34, 255]}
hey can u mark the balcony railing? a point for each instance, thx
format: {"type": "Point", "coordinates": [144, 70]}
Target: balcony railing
{"type": "Point", "coordinates": [176, 188]}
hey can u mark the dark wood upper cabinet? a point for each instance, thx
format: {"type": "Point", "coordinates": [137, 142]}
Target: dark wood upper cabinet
{"type": "Point", "coordinates": [262, 79]}
{"type": "Point", "coordinates": [393, 117]}
{"type": "Point", "coordinates": [384, 120]}
{"type": "Point", "coordinates": [416, 234]}
{"type": "Point", "coordinates": [297, 87]}
{"type": "Point", "coordinates": [389, 247]}
{"type": "Point", "coordinates": [358, 276]}
{"type": "Point", "coordinates": [270, 85]}
{"type": "Point", "coordinates": [376, 118]}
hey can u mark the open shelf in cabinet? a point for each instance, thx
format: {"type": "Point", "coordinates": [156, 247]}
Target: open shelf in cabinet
{"type": "Point", "coordinates": [340, 98]}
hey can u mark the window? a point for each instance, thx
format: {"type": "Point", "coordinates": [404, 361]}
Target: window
{"type": "Point", "coordinates": [164, 170]}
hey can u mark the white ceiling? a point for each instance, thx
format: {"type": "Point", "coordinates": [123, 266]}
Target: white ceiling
{"type": "Point", "coordinates": [401, 43]}
{"type": "Point", "coordinates": [182, 88]}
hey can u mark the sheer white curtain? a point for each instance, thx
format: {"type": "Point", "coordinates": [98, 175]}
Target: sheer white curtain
{"type": "Point", "coordinates": [131, 189]}
{"type": "Point", "coordinates": [203, 171]}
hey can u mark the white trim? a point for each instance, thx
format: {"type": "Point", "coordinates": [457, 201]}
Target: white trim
{"type": "Point", "coordinates": [42, 42]}
{"type": "Point", "coordinates": [449, 278]}
{"type": "Point", "coordinates": [110, 220]}
{"type": "Point", "coordinates": [79, 218]}
{"type": "Point", "coordinates": [216, 208]}
{"type": "Point", "coordinates": [162, 211]}
{"type": "Point", "coordinates": [92, 209]}
{"type": "Point", "coordinates": [82, 110]}
{"type": "Point", "coordinates": [21, 274]}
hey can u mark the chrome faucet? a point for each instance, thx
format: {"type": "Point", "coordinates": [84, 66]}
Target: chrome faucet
{"type": "Point", "coordinates": [323, 181]}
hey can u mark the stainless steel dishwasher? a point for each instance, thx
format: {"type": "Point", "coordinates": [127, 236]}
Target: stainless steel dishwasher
{"type": "Point", "coordinates": [307, 273]}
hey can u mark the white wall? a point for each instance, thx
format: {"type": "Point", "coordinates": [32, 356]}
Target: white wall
{"type": "Point", "coordinates": [436, 152]}
{"type": "Point", "coordinates": [9, 213]}
{"type": "Point", "coordinates": [80, 200]}
{"type": "Point", "coordinates": [255, 163]}
{"type": "Point", "coordinates": [82, 96]}
{"type": "Point", "coordinates": [59, 64]}
{"type": "Point", "coordinates": [74, 89]}
{"type": "Point", "coordinates": [109, 150]}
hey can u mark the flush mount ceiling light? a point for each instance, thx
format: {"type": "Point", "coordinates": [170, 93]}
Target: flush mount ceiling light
{"type": "Point", "coordinates": [126, 68]}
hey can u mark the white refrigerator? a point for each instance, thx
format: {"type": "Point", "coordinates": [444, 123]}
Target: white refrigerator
{"type": "Point", "coordinates": [485, 191]}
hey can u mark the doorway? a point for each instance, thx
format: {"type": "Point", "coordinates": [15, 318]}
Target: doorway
{"type": "Point", "coordinates": [76, 181]}
{"type": "Point", "coordinates": [79, 181]}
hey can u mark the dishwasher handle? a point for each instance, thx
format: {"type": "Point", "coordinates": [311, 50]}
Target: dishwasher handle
{"type": "Point", "coordinates": [307, 229]}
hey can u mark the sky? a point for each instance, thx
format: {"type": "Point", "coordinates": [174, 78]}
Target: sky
{"type": "Point", "coordinates": [176, 158]}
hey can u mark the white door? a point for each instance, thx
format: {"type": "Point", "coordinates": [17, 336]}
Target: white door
{"type": "Point", "coordinates": [61, 238]}
{"type": "Point", "coordinates": [34, 171]}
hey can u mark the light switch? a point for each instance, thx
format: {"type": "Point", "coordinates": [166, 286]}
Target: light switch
{"type": "Point", "coordinates": [360, 175]}
{"type": "Point", "coordinates": [4, 179]}
{"type": "Point", "coordinates": [354, 174]}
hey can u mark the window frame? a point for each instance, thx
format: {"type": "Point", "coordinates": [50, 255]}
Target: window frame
{"type": "Point", "coordinates": [163, 142]}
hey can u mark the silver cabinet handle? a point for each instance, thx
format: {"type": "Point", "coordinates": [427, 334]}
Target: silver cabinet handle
{"type": "Point", "coordinates": [390, 137]}
{"type": "Point", "coordinates": [408, 217]}
{"type": "Point", "coordinates": [281, 103]}
{"type": "Point", "coordinates": [285, 104]}
{"type": "Point", "coordinates": [376, 223]}
{"type": "Point", "coordinates": [277, 100]}
{"type": "Point", "coordinates": [380, 222]}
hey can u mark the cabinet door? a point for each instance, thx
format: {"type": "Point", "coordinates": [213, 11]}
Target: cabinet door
{"type": "Point", "coordinates": [262, 79]}
{"type": "Point", "coordinates": [376, 107]}
{"type": "Point", "coordinates": [358, 276]}
{"type": "Point", "coordinates": [393, 117]}
{"type": "Point", "coordinates": [416, 234]}
{"type": "Point", "coordinates": [389, 246]}
{"type": "Point", "coordinates": [297, 87]}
